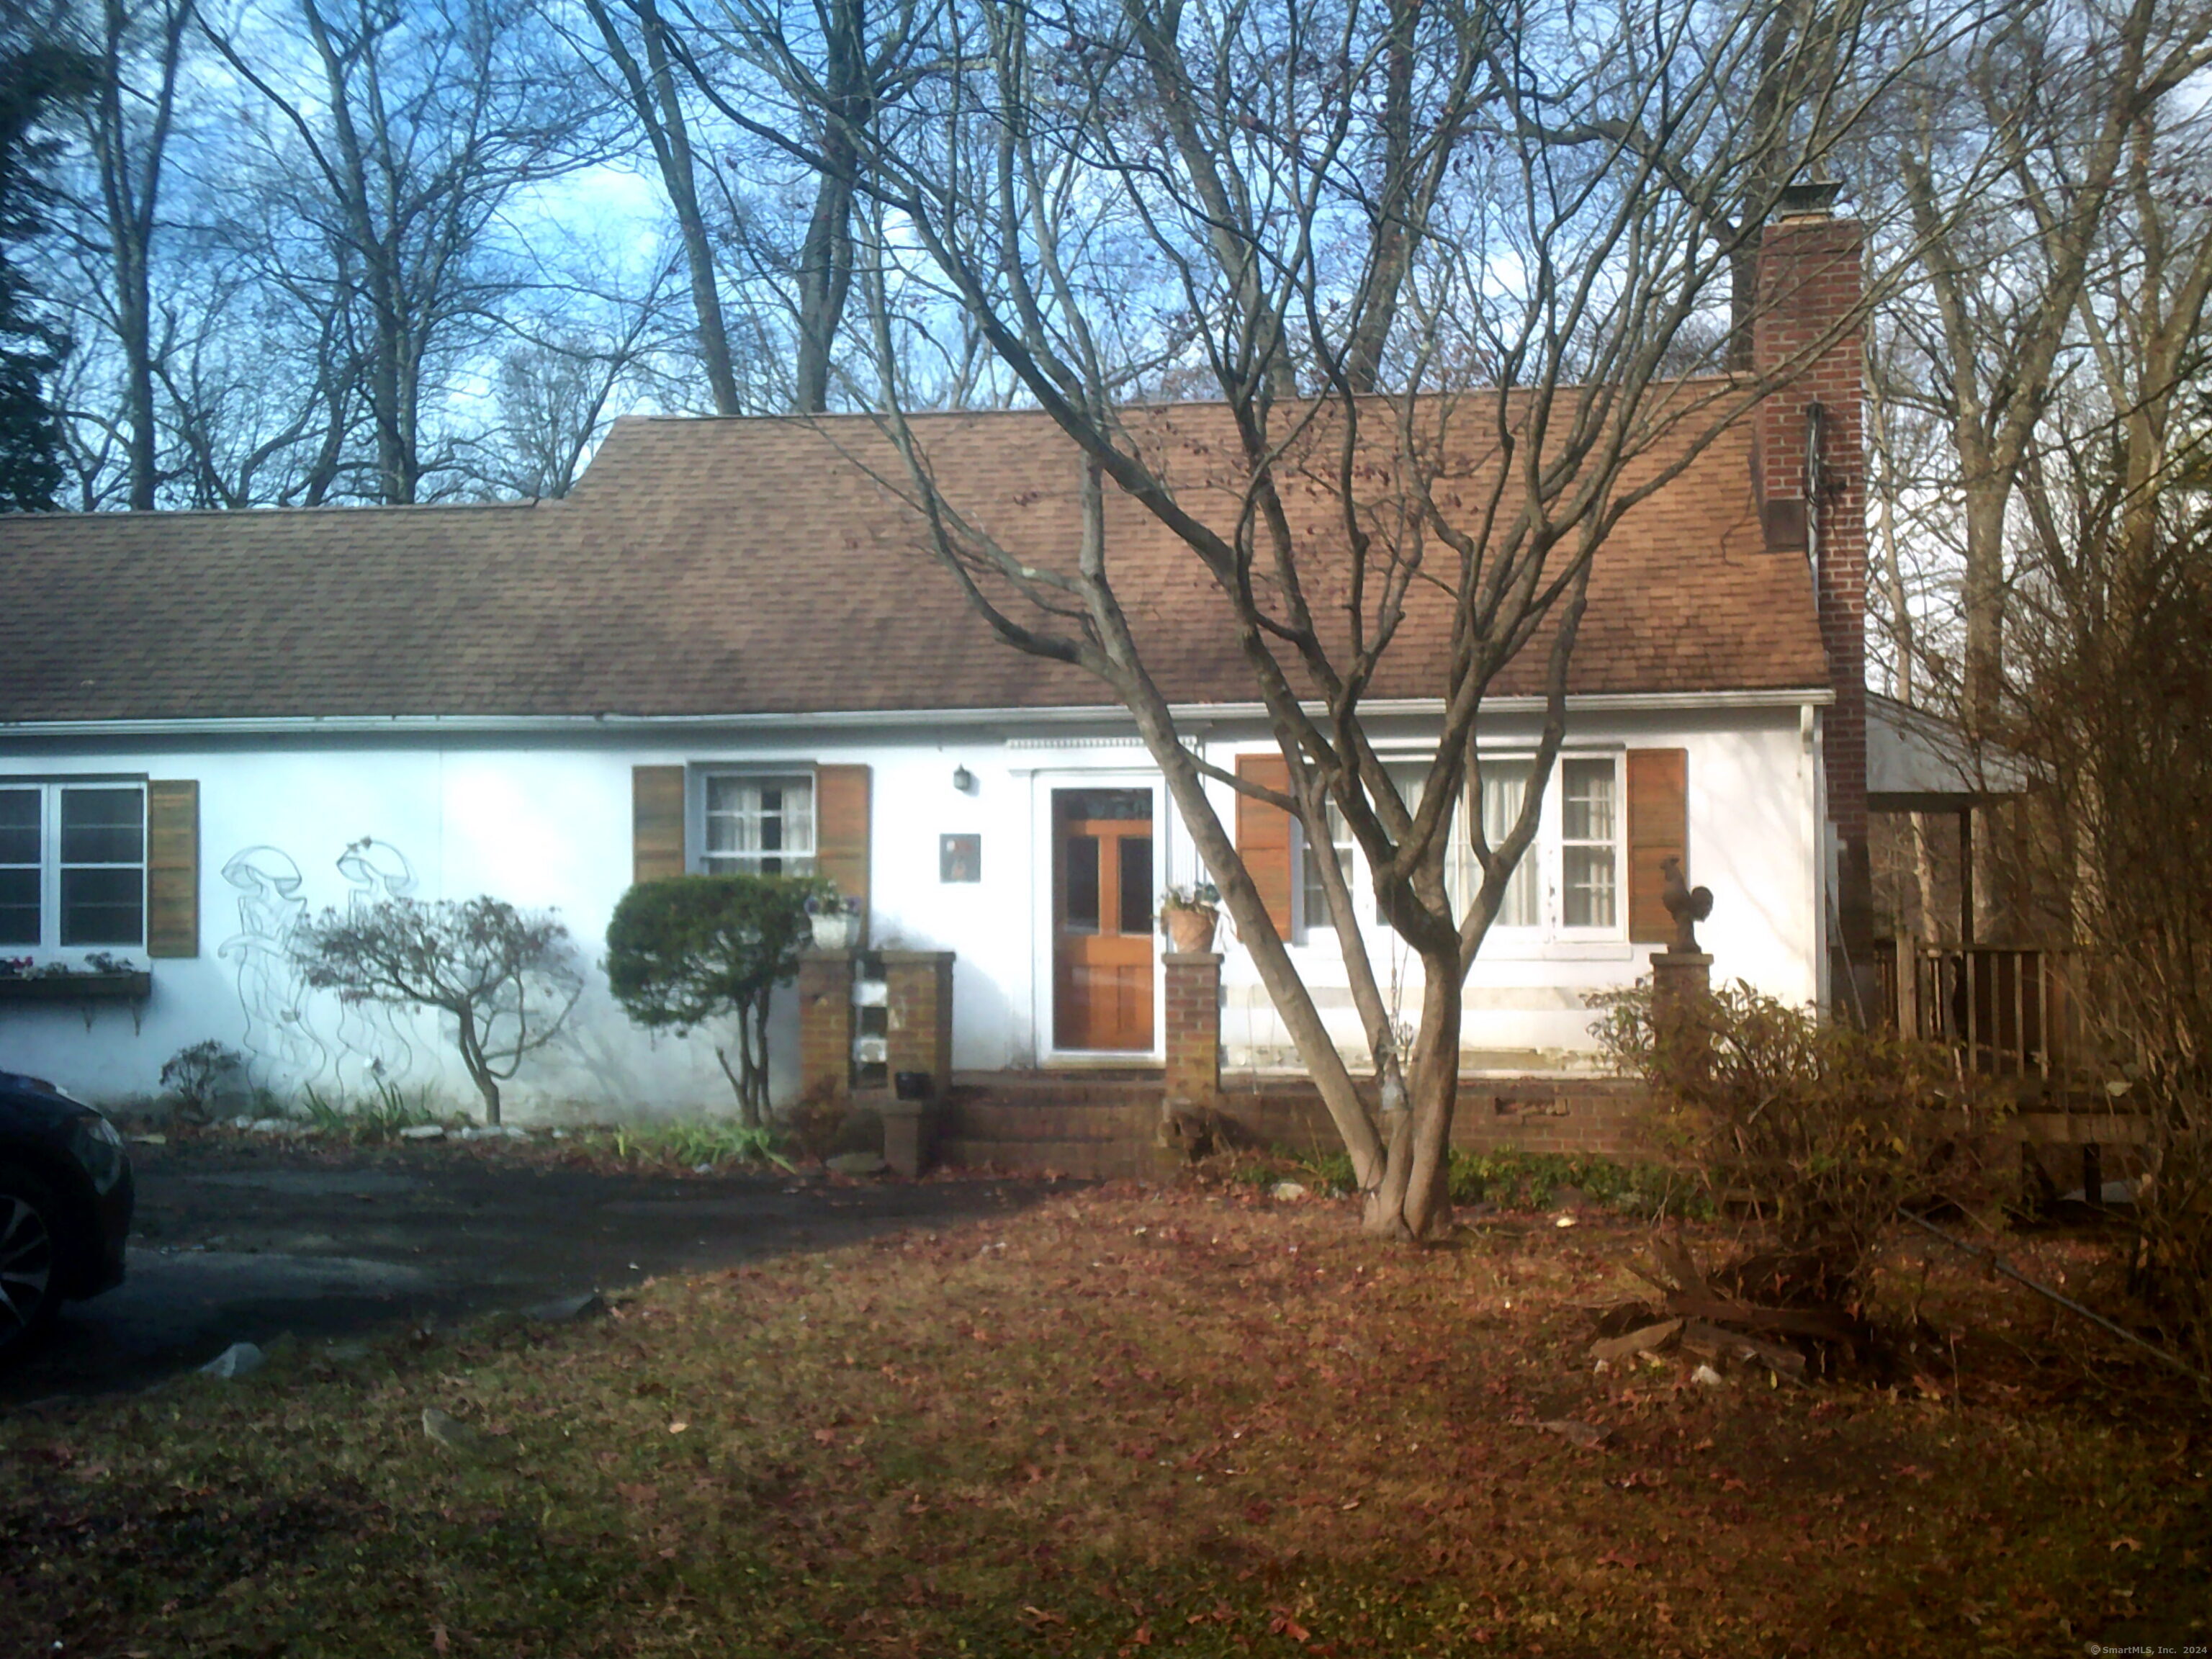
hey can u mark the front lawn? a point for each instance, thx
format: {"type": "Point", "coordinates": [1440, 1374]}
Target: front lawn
{"type": "Point", "coordinates": [1118, 1423]}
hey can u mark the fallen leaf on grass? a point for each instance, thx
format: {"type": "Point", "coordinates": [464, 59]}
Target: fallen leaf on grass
{"type": "Point", "coordinates": [2124, 1544]}
{"type": "Point", "coordinates": [1585, 1435]}
{"type": "Point", "coordinates": [1043, 1615]}
{"type": "Point", "coordinates": [1283, 1624]}
{"type": "Point", "coordinates": [437, 1642]}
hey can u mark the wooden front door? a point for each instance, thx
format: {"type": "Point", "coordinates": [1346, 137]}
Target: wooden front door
{"type": "Point", "coordinates": [1102, 908]}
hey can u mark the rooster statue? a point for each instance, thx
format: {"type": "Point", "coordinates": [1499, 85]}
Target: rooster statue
{"type": "Point", "coordinates": [1688, 905]}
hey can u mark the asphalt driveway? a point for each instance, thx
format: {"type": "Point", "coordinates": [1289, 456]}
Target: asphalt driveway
{"type": "Point", "coordinates": [246, 1240]}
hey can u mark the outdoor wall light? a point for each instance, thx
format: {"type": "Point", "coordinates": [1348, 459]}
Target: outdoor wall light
{"type": "Point", "coordinates": [963, 780]}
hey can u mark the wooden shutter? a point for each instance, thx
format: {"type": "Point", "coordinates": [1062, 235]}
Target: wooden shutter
{"type": "Point", "coordinates": [1263, 837]}
{"type": "Point", "coordinates": [840, 830]}
{"type": "Point", "coordinates": [1658, 829]}
{"type": "Point", "coordinates": [172, 868]}
{"type": "Point", "coordinates": [656, 822]}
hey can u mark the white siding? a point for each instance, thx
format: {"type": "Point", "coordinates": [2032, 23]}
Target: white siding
{"type": "Point", "coordinates": [545, 821]}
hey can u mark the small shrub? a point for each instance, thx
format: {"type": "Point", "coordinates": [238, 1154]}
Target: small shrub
{"type": "Point", "coordinates": [692, 950]}
{"type": "Point", "coordinates": [1822, 1128]}
{"type": "Point", "coordinates": [508, 978]}
{"type": "Point", "coordinates": [194, 1077]}
{"type": "Point", "coordinates": [815, 1124]}
{"type": "Point", "coordinates": [380, 1118]}
{"type": "Point", "coordinates": [1531, 1180]}
{"type": "Point", "coordinates": [699, 1145]}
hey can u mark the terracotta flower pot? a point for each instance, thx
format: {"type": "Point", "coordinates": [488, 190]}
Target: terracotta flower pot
{"type": "Point", "coordinates": [1190, 930]}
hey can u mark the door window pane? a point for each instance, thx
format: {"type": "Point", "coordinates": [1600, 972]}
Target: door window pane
{"type": "Point", "coordinates": [1079, 879]}
{"type": "Point", "coordinates": [1117, 806]}
{"type": "Point", "coordinates": [1136, 885]}
{"type": "Point", "coordinates": [1589, 835]}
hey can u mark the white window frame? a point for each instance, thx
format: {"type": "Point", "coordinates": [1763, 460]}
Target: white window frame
{"type": "Point", "coordinates": [50, 791]}
{"type": "Point", "coordinates": [1546, 860]}
{"type": "Point", "coordinates": [1556, 818]}
{"type": "Point", "coordinates": [701, 859]}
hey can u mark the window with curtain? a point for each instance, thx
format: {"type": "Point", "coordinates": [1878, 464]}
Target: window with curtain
{"type": "Point", "coordinates": [1590, 843]}
{"type": "Point", "coordinates": [756, 825]}
{"type": "Point", "coordinates": [1504, 787]}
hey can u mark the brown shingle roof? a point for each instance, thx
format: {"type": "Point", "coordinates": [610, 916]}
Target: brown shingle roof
{"type": "Point", "coordinates": [751, 566]}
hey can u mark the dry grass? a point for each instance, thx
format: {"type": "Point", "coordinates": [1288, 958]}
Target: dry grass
{"type": "Point", "coordinates": [1112, 1425]}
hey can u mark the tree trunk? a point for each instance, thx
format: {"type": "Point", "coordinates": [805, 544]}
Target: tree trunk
{"type": "Point", "coordinates": [660, 109]}
{"type": "Point", "coordinates": [1414, 1201]}
{"type": "Point", "coordinates": [479, 1070]}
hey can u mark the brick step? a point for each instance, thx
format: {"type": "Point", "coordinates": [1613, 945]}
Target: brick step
{"type": "Point", "coordinates": [1086, 1160]}
{"type": "Point", "coordinates": [1001, 1120]}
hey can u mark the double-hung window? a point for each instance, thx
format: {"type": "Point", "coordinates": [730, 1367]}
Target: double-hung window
{"type": "Point", "coordinates": [72, 866]}
{"type": "Point", "coordinates": [757, 825]}
{"type": "Point", "coordinates": [1568, 883]}
{"type": "Point", "coordinates": [1589, 844]}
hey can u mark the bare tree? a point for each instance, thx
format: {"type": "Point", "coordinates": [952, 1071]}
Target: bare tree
{"type": "Point", "coordinates": [141, 49]}
{"type": "Point", "coordinates": [654, 93]}
{"type": "Point", "coordinates": [408, 133]}
{"type": "Point", "coordinates": [2026, 125]}
{"type": "Point", "coordinates": [1457, 338]}
{"type": "Point", "coordinates": [807, 83]}
{"type": "Point", "coordinates": [556, 389]}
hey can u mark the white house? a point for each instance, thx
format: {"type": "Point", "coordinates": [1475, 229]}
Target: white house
{"type": "Point", "coordinates": [729, 649]}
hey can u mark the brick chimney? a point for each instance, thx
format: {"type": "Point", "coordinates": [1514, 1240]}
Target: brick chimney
{"type": "Point", "coordinates": [1809, 472]}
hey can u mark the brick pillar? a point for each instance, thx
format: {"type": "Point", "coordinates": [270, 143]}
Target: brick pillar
{"type": "Point", "coordinates": [1681, 982]}
{"type": "Point", "coordinates": [1679, 978]}
{"type": "Point", "coordinates": [1810, 285]}
{"type": "Point", "coordinates": [826, 1024]}
{"type": "Point", "coordinates": [1193, 1034]}
{"type": "Point", "coordinates": [920, 992]}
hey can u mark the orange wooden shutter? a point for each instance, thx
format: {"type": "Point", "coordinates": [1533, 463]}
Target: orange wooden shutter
{"type": "Point", "coordinates": [1263, 837]}
{"type": "Point", "coordinates": [1658, 829]}
{"type": "Point", "coordinates": [656, 822]}
{"type": "Point", "coordinates": [840, 830]}
{"type": "Point", "coordinates": [172, 869]}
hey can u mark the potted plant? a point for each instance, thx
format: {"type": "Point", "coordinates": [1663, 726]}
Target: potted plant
{"type": "Point", "coordinates": [836, 922]}
{"type": "Point", "coordinates": [1188, 915]}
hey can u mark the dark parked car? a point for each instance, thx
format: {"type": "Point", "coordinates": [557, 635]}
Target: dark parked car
{"type": "Point", "coordinates": [65, 1200]}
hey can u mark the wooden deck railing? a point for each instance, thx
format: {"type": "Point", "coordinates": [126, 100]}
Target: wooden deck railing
{"type": "Point", "coordinates": [2009, 1011]}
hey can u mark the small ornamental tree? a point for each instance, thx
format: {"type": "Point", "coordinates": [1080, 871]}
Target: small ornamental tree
{"type": "Point", "coordinates": [693, 951]}
{"type": "Point", "coordinates": [508, 978]}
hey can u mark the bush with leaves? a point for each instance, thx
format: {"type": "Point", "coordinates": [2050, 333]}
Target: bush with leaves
{"type": "Point", "coordinates": [194, 1076]}
{"type": "Point", "coordinates": [687, 951]}
{"type": "Point", "coordinates": [508, 978]}
{"type": "Point", "coordinates": [1823, 1130]}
